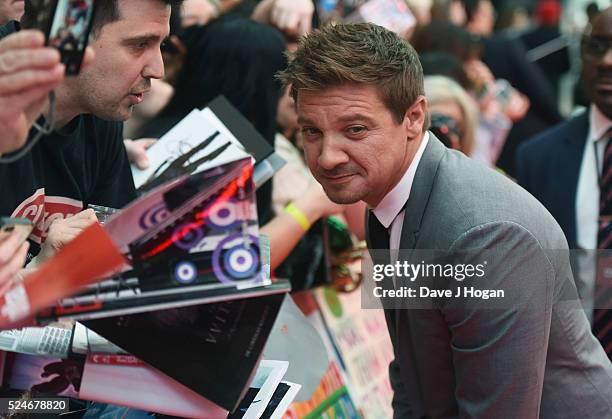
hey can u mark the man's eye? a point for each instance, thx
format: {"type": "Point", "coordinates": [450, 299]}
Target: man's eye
{"type": "Point", "coordinates": [595, 46]}
{"type": "Point", "coordinates": [142, 45]}
{"type": "Point", "coordinates": [309, 132]}
{"type": "Point", "coordinates": [356, 129]}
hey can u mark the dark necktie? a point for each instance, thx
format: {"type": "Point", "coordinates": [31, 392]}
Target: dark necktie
{"type": "Point", "coordinates": [378, 240]}
{"type": "Point", "coordinates": [378, 234]}
{"type": "Point", "coordinates": [602, 315]}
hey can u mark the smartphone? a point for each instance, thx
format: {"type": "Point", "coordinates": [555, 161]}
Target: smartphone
{"type": "Point", "coordinates": [23, 226]}
{"type": "Point", "coordinates": [67, 25]}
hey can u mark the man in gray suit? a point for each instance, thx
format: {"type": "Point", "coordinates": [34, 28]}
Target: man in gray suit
{"type": "Point", "coordinates": [363, 119]}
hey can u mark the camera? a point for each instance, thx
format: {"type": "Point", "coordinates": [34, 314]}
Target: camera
{"type": "Point", "coordinates": [67, 25]}
{"type": "Point", "coordinates": [446, 129]}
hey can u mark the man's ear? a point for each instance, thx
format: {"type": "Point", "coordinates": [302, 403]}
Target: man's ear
{"type": "Point", "coordinates": [415, 117]}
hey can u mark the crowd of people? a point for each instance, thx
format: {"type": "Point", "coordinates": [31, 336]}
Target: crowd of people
{"type": "Point", "coordinates": [479, 77]}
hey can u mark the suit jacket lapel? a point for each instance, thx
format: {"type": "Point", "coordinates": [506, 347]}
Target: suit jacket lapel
{"type": "Point", "coordinates": [415, 209]}
{"type": "Point", "coordinates": [420, 192]}
{"type": "Point", "coordinates": [570, 161]}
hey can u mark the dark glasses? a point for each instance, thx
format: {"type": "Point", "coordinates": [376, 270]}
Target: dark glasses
{"type": "Point", "coordinates": [595, 47]}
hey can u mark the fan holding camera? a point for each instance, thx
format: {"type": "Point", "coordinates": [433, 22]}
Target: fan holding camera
{"type": "Point", "coordinates": [453, 113]}
{"type": "Point", "coordinates": [28, 72]}
{"type": "Point", "coordinates": [61, 110]}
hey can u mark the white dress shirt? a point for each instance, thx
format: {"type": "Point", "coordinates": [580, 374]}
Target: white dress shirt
{"type": "Point", "coordinates": [587, 205]}
{"type": "Point", "coordinates": [390, 210]}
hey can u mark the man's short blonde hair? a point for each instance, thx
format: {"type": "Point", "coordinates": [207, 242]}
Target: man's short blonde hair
{"type": "Point", "coordinates": [361, 53]}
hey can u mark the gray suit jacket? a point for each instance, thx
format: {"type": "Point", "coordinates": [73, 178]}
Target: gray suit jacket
{"type": "Point", "coordinates": [540, 360]}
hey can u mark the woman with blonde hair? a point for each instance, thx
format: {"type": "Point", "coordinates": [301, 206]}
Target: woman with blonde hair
{"type": "Point", "coordinates": [453, 112]}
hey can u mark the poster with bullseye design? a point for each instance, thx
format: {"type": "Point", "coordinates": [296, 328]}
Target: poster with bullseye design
{"type": "Point", "coordinates": [191, 241]}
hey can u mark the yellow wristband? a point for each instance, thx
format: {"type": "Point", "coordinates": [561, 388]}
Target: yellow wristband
{"type": "Point", "coordinates": [298, 215]}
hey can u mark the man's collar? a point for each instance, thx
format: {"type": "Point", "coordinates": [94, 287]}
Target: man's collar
{"type": "Point", "coordinates": [393, 203]}
{"type": "Point", "coordinates": [598, 123]}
